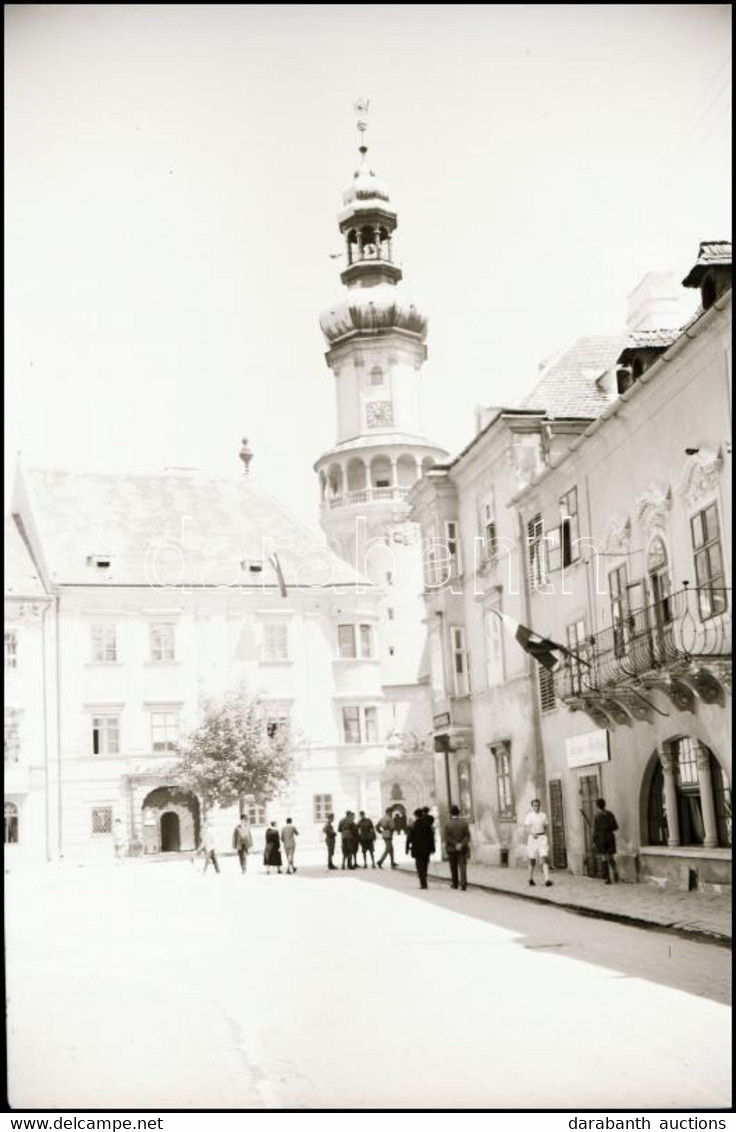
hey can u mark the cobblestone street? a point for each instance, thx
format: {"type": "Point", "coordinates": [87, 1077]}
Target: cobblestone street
{"type": "Point", "coordinates": [153, 984]}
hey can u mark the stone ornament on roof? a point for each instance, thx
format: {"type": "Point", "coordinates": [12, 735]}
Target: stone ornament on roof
{"type": "Point", "coordinates": [699, 476]}
{"type": "Point", "coordinates": [653, 506]}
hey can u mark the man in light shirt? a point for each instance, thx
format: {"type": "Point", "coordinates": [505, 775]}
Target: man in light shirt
{"type": "Point", "coordinates": [289, 835]}
{"type": "Point", "coordinates": [537, 843]}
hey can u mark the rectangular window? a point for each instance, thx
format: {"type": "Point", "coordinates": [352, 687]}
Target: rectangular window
{"type": "Point", "coordinates": [275, 641]}
{"type": "Point", "coordinates": [371, 725]}
{"type": "Point", "coordinates": [570, 527]}
{"type": "Point", "coordinates": [256, 814]}
{"type": "Point", "coordinates": [351, 724]}
{"type": "Point", "coordinates": [321, 806]}
{"type": "Point", "coordinates": [546, 679]}
{"type": "Point", "coordinates": [277, 719]}
{"type": "Point", "coordinates": [504, 783]}
{"type": "Point", "coordinates": [11, 648]}
{"type": "Point", "coordinates": [706, 537]}
{"type": "Point", "coordinates": [104, 644]}
{"type": "Point", "coordinates": [488, 529]}
{"type": "Point", "coordinates": [164, 730]}
{"type": "Point", "coordinates": [618, 593]}
{"type": "Point", "coordinates": [162, 642]}
{"type": "Point", "coordinates": [105, 734]}
{"type": "Point", "coordinates": [354, 641]}
{"type": "Point", "coordinates": [577, 643]}
{"type": "Point", "coordinates": [460, 662]}
{"type": "Point", "coordinates": [360, 725]}
{"type": "Point", "coordinates": [101, 820]}
{"type": "Point", "coordinates": [452, 540]}
{"type": "Point", "coordinates": [494, 648]}
{"type": "Point", "coordinates": [537, 556]}
{"type": "Point", "coordinates": [12, 735]}
{"type": "Point", "coordinates": [11, 823]}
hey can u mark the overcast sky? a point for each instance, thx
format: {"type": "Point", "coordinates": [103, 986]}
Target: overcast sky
{"type": "Point", "coordinates": [173, 176]}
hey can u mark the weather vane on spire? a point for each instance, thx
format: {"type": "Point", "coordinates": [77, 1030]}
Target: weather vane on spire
{"type": "Point", "coordinates": [361, 109]}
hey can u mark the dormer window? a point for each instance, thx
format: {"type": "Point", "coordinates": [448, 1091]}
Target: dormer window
{"type": "Point", "coordinates": [624, 379]}
{"type": "Point", "coordinates": [99, 561]}
{"type": "Point", "coordinates": [708, 292]}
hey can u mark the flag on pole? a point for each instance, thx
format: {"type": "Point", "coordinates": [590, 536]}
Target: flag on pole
{"type": "Point", "coordinates": [542, 649]}
{"type": "Point", "coordinates": [274, 560]}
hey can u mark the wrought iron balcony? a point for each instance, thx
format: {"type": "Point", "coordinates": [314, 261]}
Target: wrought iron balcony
{"type": "Point", "coordinates": [681, 644]}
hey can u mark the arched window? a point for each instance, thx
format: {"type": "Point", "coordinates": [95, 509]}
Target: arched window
{"type": "Point", "coordinates": [690, 823]}
{"type": "Point", "coordinates": [377, 376]}
{"type": "Point", "coordinates": [659, 581]}
{"type": "Point", "coordinates": [11, 823]}
{"type": "Point", "coordinates": [396, 792]}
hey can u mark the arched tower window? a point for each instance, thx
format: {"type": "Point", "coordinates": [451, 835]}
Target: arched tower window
{"type": "Point", "coordinates": [378, 377]}
{"type": "Point", "coordinates": [659, 582]}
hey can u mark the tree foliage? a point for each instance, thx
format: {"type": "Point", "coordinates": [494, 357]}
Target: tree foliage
{"type": "Point", "coordinates": [235, 751]}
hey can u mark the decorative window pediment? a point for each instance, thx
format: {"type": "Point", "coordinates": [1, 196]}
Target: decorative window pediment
{"type": "Point", "coordinates": [699, 476]}
{"type": "Point", "coordinates": [618, 534]}
{"type": "Point", "coordinates": [653, 506]}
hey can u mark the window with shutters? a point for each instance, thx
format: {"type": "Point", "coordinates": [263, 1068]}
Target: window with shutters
{"type": "Point", "coordinates": [321, 807]}
{"type": "Point", "coordinates": [577, 642]}
{"type": "Point", "coordinates": [546, 679]}
{"type": "Point", "coordinates": [504, 781]}
{"type": "Point", "coordinates": [537, 555]}
{"type": "Point", "coordinates": [557, 824]}
{"type": "Point", "coordinates": [452, 541]}
{"type": "Point", "coordinates": [618, 592]}
{"type": "Point", "coordinates": [569, 527]}
{"type": "Point", "coordinates": [706, 539]}
{"type": "Point", "coordinates": [494, 647]}
{"type": "Point", "coordinates": [104, 644]}
{"type": "Point", "coordinates": [460, 661]}
{"type": "Point", "coordinates": [11, 648]}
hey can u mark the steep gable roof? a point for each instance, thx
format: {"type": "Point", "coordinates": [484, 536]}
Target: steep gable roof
{"type": "Point", "coordinates": [570, 385]}
{"type": "Point", "coordinates": [173, 530]}
{"type": "Point", "coordinates": [21, 576]}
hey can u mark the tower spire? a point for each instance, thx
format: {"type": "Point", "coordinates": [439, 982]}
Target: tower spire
{"type": "Point", "coordinates": [361, 111]}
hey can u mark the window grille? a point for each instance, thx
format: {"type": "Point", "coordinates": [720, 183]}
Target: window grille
{"type": "Point", "coordinates": [102, 820]}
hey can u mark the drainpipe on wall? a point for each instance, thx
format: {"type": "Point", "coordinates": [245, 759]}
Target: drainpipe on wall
{"type": "Point", "coordinates": [58, 721]}
{"type": "Point", "coordinates": [46, 750]}
{"type": "Point", "coordinates": [539, 768]}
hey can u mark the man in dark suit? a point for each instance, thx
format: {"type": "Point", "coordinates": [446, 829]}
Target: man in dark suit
{"type": "Point", "coordinates": [330, 837]}
{"type": "Point", "coordinates": [420, 842]}
{"type": "Point", "coordinates": [457, 843]}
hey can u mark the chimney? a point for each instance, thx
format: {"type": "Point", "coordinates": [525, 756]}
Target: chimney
{"type": "Point", "coordinates": [659, 303]}
{"type": "Point", "coordinates": [246, 455]}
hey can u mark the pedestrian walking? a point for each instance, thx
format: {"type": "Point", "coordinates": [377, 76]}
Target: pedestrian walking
{"type": "Point", "coordinates": [348, 831]}
{"type": "Point", "coordinates": [328, 830]}
{"type": "Point", "coordinates": [366, 838]}
{"type": "Point", "coordinates": [385, 826]}
{"type": "Point", "coordinates": [119, 841]}
{"type": "Point", "coordinates": [289, 835]}
{"type": "Point", "coordinates": [457, 843]}
{"type": "Point", "coordinates": [604, 840]}
{"type": "Point", "coordinates": [537, 843]}
{"type": "Point", "coordinates": [420, 841]}
{"type": "Point", "coordinates": [208, 846]}
{"type": "Point", "coordinates": [242, 841]}
{"type": "Point", "coordinates": [272, 851]}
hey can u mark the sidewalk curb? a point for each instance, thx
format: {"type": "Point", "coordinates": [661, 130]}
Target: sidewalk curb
{"type": "Point", "coordinates": [698, 935]}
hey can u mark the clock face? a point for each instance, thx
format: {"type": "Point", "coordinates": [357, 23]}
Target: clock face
{"type": "Point", "coordinates": [378, 413]}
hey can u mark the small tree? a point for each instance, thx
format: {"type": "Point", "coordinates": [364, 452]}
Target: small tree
{"type": "Point", "coordinates": [235, 752]}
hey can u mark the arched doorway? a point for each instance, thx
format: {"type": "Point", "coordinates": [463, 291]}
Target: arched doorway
{"type": "Point", "coordinates": [170, 821]}
{"type": "Point", "coordinates": [170, 833]}
{"type": "Point", "coordinates": [398, 816]}
{"type": "Point", "coordinates": [693, 768]}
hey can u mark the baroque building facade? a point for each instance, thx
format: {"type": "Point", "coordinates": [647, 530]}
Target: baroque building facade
{"type": "Point", "coordinates": [130, 601]}
{"type": "Point", "coordinates": [598, 515]}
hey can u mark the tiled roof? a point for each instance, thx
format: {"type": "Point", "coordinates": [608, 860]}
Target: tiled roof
{"type": "Point", "coordinates": [712, 253]}
{"type": "Point", "coordinates": [173, 530]}
{"type": "Point", "coordinates": [570, 385]}
{"type": "Point", "coordinates": [21, 576]}
{"type": "Point", "coordinates": [648, 340]}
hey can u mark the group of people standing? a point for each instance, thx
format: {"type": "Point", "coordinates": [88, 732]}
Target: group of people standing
{"type": "Point", "coordinates": [361, 835]}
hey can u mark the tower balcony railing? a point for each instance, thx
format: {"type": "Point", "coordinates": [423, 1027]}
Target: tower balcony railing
{"type": "Point", "coordinates": [668, 636]}
{"type": "Point", "coordinates": [365, 495]}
